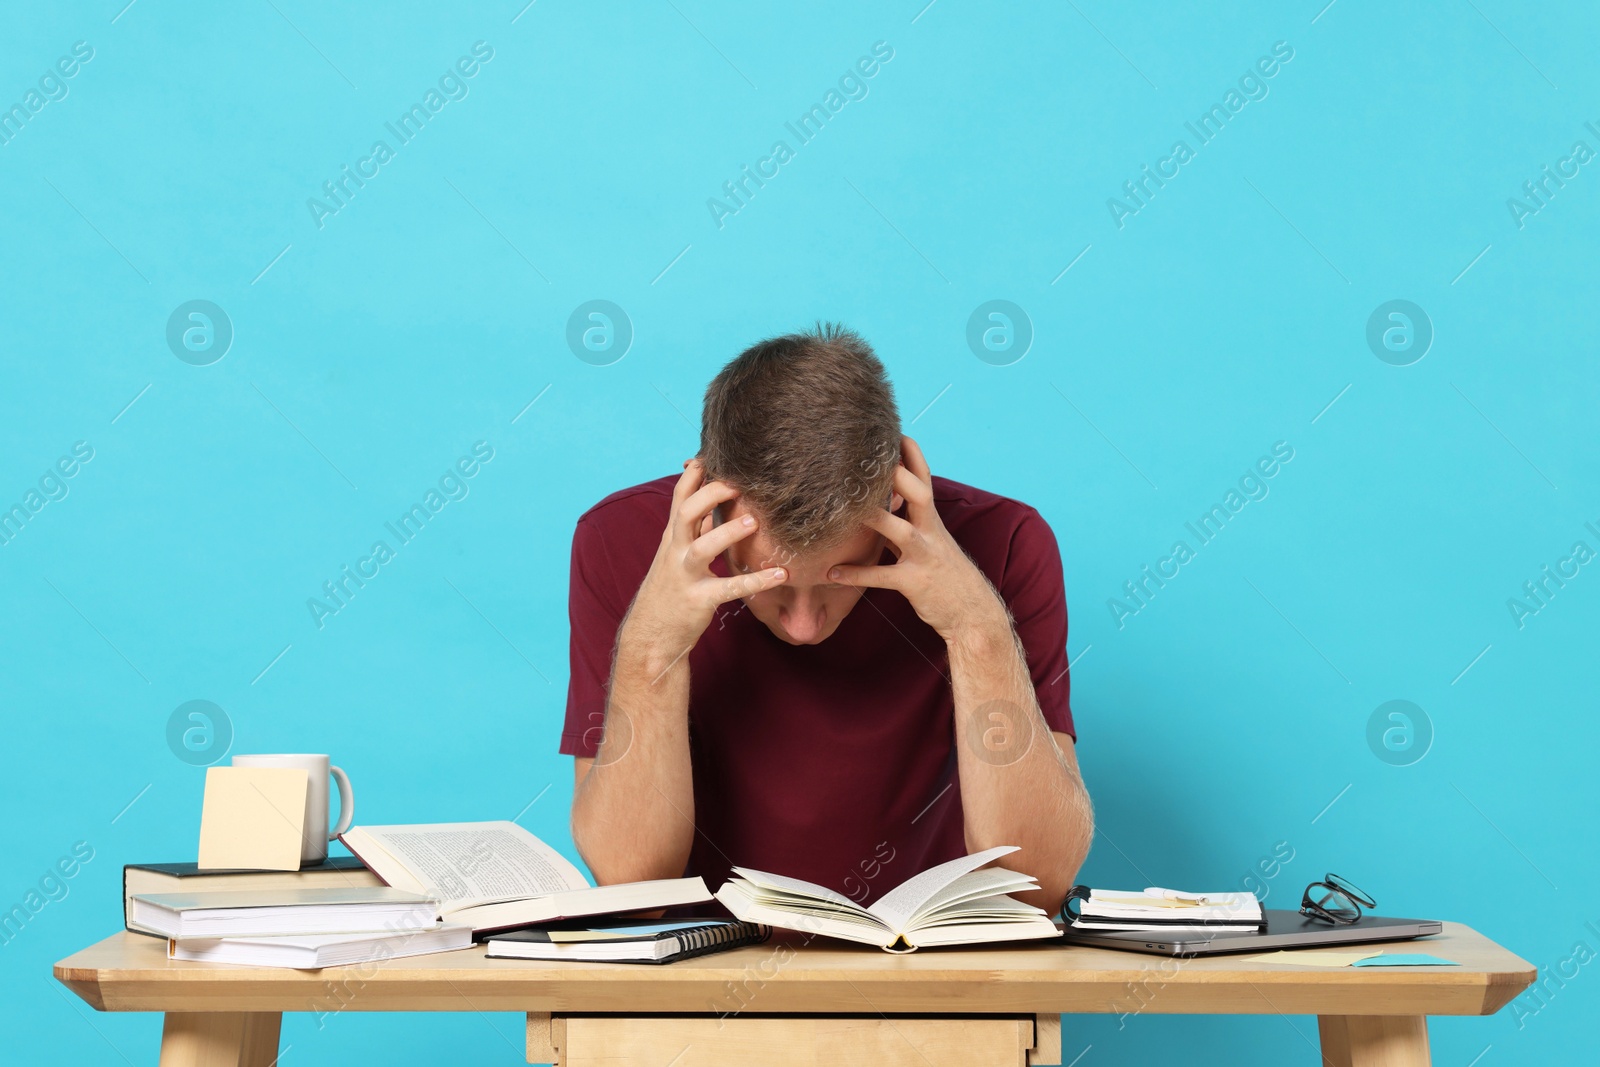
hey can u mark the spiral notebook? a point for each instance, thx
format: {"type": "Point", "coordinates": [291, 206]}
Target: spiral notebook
{"type": "Point", "coordinates": [636, 942]}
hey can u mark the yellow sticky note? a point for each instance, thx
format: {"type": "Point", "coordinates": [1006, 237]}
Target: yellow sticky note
{"type": "Point", "coordinates": [253, 818]}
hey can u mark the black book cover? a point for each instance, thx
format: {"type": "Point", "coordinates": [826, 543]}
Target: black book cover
{"type": "Point", "coordinates": [185, 870]}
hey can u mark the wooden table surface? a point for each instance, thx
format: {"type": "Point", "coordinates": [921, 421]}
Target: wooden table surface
{"type": "Point", "coordinates": [130, 972]}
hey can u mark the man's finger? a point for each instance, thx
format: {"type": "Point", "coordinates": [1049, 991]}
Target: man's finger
{"type": "Point", "coordinates": [687, 483]}
{"type": "Point", "coordinates": [715, 541]}
{"type": "Point", "coordinates": [870, 577]}
{"type": "Point", "coordinates": [911, 455]}
{"type": "Point", "coordinates": [743, 585]}
{"type": "Point", "coordinates": [918, 494]}
{"type": "Point", "coordinates": [697, 506]}
{"type": "Point", "coordinates": [896, 529]}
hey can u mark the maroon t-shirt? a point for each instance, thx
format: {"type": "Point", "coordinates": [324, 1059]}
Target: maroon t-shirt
{"type": "Point", "coordinates": [833, 762]}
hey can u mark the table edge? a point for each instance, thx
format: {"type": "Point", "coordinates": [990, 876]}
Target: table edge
{"type": "Point", "coordinates": [1484, 991]}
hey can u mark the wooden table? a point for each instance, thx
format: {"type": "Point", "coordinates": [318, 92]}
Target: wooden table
{"type": "Point", "coordinates": [789, 1002]}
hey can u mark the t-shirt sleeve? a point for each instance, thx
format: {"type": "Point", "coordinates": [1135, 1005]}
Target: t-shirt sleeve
{"type": "Point", "coordinates": [595, 608]}
{"type": "Point", "coordinates": [1034, 591]}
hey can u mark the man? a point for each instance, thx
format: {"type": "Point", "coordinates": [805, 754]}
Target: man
{"type": "Point", "coordinates": [807, 655]}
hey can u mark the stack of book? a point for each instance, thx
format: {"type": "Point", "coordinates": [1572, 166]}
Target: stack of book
{"type": "Point", "coordinates": [410, 890]}
{"type": "Point", "coordinates": [304, 928]}
{"type": "Point", "coordinates": [1168, 910]}
{"type": "Point", "coordinates": [335, 872]}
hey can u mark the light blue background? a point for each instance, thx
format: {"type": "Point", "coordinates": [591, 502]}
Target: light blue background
{"type": "Point", "coordinates": [1222, 719]}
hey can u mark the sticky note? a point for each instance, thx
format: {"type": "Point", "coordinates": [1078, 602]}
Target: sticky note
{"type": "Point", "coordinates": [1308, 958]}
{"type": "Point", "coordinates": [253, 818]}
{"type": "Point", "coordinates": [621, 933]}
{"type": "Point", "coordinates": [1405, 959]}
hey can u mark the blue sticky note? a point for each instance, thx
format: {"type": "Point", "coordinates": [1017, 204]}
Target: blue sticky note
{"type": "Point", "coordinates": [1405, 959]}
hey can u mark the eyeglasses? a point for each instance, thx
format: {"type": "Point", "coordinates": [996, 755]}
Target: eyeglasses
{"type": "Point", "coordinates": [1334, 900]}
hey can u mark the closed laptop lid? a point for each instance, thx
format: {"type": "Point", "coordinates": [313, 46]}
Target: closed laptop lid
{"type": "Point", "coordinates": [1285, 929]}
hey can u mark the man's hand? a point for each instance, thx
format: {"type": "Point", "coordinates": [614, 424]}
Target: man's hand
{"type": "Point", "coordinates": [679, 596]}
{"type": "Point", "coordinates": [931, 571]}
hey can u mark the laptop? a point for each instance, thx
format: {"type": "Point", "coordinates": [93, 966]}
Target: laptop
{"type": "Point", "coordinates": [1285, 929]}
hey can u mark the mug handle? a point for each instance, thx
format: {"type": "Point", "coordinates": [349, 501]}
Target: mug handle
{"type": "Point", "coordinates": [347, 802]}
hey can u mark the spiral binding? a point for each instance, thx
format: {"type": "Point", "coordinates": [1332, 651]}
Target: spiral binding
{"type": "Point", "coordinates": [699, 940]}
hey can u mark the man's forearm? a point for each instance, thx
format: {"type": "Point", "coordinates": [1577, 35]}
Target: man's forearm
{"type": "Point", "coordinates": [1017, 787]}
{"type": "Point", "coordinates": [633, 812]}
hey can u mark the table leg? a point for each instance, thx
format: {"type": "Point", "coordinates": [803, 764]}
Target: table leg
{"type": "Point", "coordinates": [1374, 1040]}
{"type": "Point", "coordinates": [546, 1037]}
{"type": "Point", "coordinates": [1046, 1048]}
{"type": "Point", "coordinates": [220, 1039]}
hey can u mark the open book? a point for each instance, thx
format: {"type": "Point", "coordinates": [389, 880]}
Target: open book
{"type": "Point", "coordinates": [496, 875]}
{"type": "Point", "coordinates": [951, 904]}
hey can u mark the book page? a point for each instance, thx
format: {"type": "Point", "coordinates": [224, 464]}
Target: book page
{"type": "Point", "coordinates": [798, 888]}
{"type": "Point", "coordinates": [858, 925]}
{"type": "Point", "coordinates": [975, 885]}
{"type": "Point", "coordinates": [981, 909]}
{"type": "Point", "coordinates": [896, 907]}
{"type": "Point", "coordinates": [470, 862]}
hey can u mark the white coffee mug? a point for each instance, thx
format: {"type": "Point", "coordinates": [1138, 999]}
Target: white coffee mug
{"type": "Point", "coordinates": [315, 835]}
